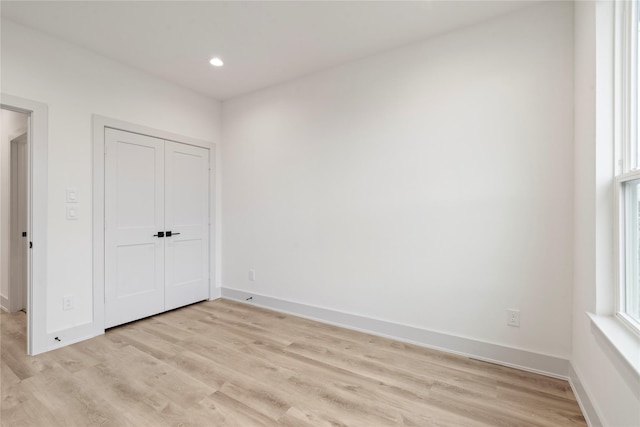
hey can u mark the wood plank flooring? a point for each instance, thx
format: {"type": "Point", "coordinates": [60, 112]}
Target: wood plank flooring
{"type": "Point", "coordinates": [222, 363]}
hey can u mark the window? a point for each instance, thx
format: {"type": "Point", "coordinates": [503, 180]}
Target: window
{"type": "Point", "coordinates": [628, 170]}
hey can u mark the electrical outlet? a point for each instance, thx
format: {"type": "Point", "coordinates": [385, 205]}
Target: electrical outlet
{"type": "Point", "coordinates": [252, 275]}
{"type": "Point", "coordinates": [67, 303]}
{"type": "Point", "coordinates": [513, 317]}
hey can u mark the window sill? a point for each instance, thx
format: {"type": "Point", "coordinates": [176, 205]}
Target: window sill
{"type": "Point", "coordinates": [624, 341]}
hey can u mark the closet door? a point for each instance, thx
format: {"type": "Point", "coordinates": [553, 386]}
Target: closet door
{"type": "Point", "coordinates": [134, 214]}
{"type": "Point", "coordinates": [187, 218]}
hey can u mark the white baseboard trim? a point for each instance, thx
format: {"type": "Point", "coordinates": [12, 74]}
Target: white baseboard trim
{"type": "Point", "coordinates": [215, 293]}
{"type": "Point", "coordinates": [582, 396]}
{"type": "Point", "coordinates": [72, 335]}
{"type": "Point", "coordinates": [4, 303]}
{"type": "Point", "coordinates": [515, 358]}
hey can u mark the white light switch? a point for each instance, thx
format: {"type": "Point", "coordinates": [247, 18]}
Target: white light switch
{"type": "Point", "coordinates": [72, 212]}
{"type": "Point", "coordinates": [72, 195]}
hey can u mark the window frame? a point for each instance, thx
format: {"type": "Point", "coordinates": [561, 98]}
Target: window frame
{"type": "Point", "coordinates": [627, 148]}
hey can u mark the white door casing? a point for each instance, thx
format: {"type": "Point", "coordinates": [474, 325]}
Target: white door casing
{"type": "Point", "coordinates": [153, 187]}
{"type": "Point", "coordinates": [38, 339]}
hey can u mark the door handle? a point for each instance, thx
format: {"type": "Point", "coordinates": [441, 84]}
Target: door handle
{"type": "Point", "coordinates": [160, 234]}
{"type": "Point", "coordinates": [170, 233]}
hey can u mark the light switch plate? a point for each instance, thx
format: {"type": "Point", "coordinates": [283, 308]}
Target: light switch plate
{"type": "Point", "coordinates": [72, 212]}
{"type": "Point", "coordinates": [72, 195]}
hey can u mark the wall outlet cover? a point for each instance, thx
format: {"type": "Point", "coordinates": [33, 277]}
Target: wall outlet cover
{"type": "Point", "coordinates": [67, 303]}
{"type": "Point", "coordinates": [513, 317]}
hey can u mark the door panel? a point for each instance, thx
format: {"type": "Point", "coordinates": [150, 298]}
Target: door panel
{"type": "Point", "coordinates": [136, 263]}
{"type": "Point", "coordinates": [134, 212]}
{"type": "Point", "coordinates": [186, 213]}
{"type": "Point", "coordinates": [137, 186]}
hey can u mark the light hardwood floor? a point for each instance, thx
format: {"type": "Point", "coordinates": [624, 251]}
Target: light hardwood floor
{"type": "Point", "coordinates": [223, 363]}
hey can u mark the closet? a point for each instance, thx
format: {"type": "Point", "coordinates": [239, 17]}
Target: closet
{"type": "Point", "coordinates": [156, 225]}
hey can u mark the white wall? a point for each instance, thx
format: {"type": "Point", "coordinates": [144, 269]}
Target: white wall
{"type": "Point", "coordinates": [75, 84]}
{"type": "Point", "coordinates": [429, 186]}
{"type": "Point", "coordinates": [13, 124]}
{"type": "Point", "coordinates": [612, 387]}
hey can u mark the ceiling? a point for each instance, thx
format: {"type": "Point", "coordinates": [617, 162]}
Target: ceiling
{"type": "Point", "coordinates": [262, 42]}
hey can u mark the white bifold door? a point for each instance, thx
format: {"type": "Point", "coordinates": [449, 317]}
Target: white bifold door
{"type": "Point", "coordinates": [156, 226]}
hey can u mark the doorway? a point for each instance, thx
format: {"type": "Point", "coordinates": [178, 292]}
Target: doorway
{"type": "Point", "coordinates": [23, 216]}
{"type": "Point", "coordinates": [13, 214]}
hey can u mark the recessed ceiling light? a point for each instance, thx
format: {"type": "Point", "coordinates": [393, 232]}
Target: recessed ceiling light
{"type": "Point", "coordinates": [216, 62]}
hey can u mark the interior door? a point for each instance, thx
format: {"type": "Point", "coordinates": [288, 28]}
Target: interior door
{"type": "Point", "coordinates": [134, 214]}
{"type": "Point", "coordinates": [19, 240]}
{"type": "Point", "coordinates": [187, 222]}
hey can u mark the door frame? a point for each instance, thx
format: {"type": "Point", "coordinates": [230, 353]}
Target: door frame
{"type": "Point", "coordinates": [100, 123]}
{"type": "Point", "coordinates": [37, 194]}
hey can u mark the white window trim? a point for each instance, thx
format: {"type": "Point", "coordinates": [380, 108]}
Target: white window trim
{"type": "Point", "coordinates": [626, 63]}
{"type": "Point", "coordinates": [621, 339]}
{"type": "Point", "coordinates": [621, 249]}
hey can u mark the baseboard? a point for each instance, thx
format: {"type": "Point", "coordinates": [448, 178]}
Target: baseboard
{"type": "Point", "coordinates": [215, 293]}
{"type": "Point", "coordinates": [582, 396]}
{"type": "Point", "coordinates": [494, 353]}
{"type": "Point", "coordinates": [4, 303]}
{"type": "Point", "coordinates": [72, 335]}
